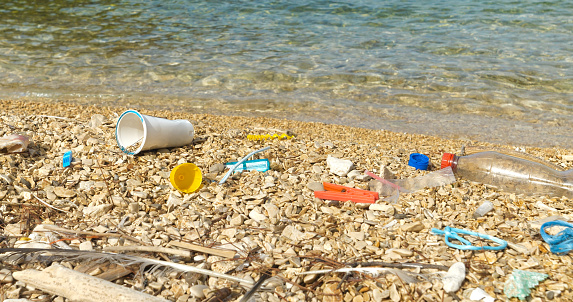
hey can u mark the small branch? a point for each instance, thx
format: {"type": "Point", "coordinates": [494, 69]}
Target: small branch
{"type": "Point", "coordinates": [153, 249]}
{"type": "Point", "coordinates": [400, 265]}
{"type": "Point", "coordinates": [202, 249]}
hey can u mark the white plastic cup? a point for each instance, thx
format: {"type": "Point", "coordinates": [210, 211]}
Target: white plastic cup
{"type": "Point", "coordinates": [136, 132]}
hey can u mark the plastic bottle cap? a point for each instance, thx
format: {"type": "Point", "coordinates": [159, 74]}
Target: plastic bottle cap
{"type": "Point", "coordinates": [186, 178]}
{"type": "Point", "coordinates": [419, 161]}
{"type": "Point", "coordinates": [447, 160]}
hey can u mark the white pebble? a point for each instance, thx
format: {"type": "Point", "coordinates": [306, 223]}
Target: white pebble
{"type": "Point", "coordinates": [197, 291]}
{"type": "Point", "coordinates": [337, 166]}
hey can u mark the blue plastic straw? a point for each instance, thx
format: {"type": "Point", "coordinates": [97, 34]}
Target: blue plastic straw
{"type": "Point", "coordinates": [239, 163]}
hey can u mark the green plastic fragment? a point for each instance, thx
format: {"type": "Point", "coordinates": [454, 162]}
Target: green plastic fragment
{"type": "Point", "coordinates": [518, 284]}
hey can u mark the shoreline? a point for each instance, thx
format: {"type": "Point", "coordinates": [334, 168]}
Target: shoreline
{"type": "Point", "coordinates": [509, 129]}
{"type": "Point", "coordinates": [270, 219]}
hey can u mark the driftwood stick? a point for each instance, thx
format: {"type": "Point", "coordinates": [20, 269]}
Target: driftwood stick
{"type": "Point", "coordinates": [202, 249]}
{"type": "Point", "coordinates": [76, 286]}
{"type": "Point", "coordinates": [153, 249]}
{"type": "Point", "coordinates": [400, 265]}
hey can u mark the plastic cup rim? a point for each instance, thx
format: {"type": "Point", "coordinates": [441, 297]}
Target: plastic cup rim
{"type": "Point", "coordinates": [144, 132]}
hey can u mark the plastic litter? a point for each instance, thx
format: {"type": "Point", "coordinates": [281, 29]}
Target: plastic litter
{"type": "Point", "coordinates": [387, 188]}
{"type": "Point", "coordinates": [511, 173]}
{"type": "Point", "coordinates": [261, 165]}
{"type": "Point", "coordinates": [452, 233]}
{"type": "Point", "coordinates": [136, 132]}
{"type": "Point", "coordinates": [419, 161]}
{"type": "Point", "coordinates": [562, 243]}
{"type": "Point", "coordinates": [224, 179]}
{"type": "Point", "coordinates": [454, 278]}
{"type": "Point", "coordinates": [14, 143]}
{"type": "Point", "coordinates": [67, 160]}
{"type": "Point", "coordinates": [437, 178]}
{"type": "Point", "coordinates": [393, 187]}
{"type": "Point", "coordinates": [186, 177]}
{"type": "Point", "coordinates": [479, 294]}
{"type": "Point", "coordinates": [254, 137]}
{"type": "Point", "coordinates": [483, 209]}
{"type": "Point", "coordinates": [342, 193]}
{"type": "Point", "coordinates": [520, 282]}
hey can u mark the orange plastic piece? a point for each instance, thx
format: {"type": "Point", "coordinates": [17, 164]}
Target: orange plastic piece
{"type": "Point", "coordinates": [342, 193]}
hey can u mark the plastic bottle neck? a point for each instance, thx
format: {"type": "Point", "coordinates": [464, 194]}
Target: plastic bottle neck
{"type": "Point", "coordinates": [449, 160]}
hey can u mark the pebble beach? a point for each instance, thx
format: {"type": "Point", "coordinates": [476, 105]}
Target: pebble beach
{"type": "Point", "coordinates": [261, 223]}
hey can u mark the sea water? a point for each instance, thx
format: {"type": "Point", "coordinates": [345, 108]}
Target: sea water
{"type": "Point", "coordinates": [498, 71]}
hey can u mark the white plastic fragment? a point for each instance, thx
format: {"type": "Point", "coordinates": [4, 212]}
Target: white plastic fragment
{"type": "Point", "coordinates": [337, 166]}
{"type": "Point", "coordinates": [483, 209]}
{"type": "Point", "coordinates": [479, 294]}
{"type": "Point", "coordinates": [454, 277]}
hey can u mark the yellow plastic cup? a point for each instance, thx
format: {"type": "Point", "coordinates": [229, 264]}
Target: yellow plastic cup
{"type": "Point", "coordinates": [186, 178]}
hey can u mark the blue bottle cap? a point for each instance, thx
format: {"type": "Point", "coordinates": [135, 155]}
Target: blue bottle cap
{"type": "Point", "coordinates": [419, 161]}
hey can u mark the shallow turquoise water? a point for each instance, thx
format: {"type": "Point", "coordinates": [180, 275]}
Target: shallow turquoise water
{"type": "Point", "coordinates": [499, 71]}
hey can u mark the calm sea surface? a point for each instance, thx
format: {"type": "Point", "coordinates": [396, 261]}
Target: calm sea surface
{"type": "Point", "coordinates": [499, 71]}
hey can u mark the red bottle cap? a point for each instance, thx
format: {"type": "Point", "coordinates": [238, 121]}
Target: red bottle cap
{"type": "Point", "coordinates": [447, 160]}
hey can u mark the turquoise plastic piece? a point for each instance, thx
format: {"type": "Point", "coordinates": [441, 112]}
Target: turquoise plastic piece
{"type": "Point", "coordinates": [222, 181]}
{"type": "Point", "coordinates": [260, 165]}
{"type": "Point", "coordinates": [520, 282]}
{"type": "Point", "coordinates": [67, 160]}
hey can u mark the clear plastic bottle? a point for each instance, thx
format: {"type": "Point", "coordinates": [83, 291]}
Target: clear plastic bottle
{"type": "Point", "coordinates": [510, 173]}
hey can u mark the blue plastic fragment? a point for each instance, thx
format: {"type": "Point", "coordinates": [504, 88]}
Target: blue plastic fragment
{"type": "Point", "coordinates": [452, 233]}
{"type": "Point", "coordinates": [419, 161]}
{"type": "Point", "coordinates": [260, 165]}
{"type": "Point", "coordinates": [67, 160]}
{"type": "Point", "coordinates": [561, 243]}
